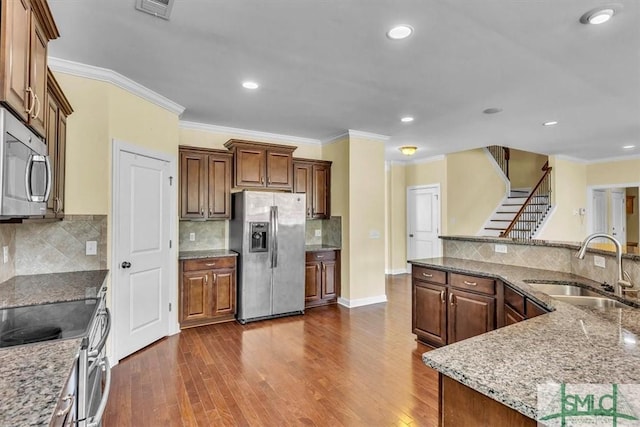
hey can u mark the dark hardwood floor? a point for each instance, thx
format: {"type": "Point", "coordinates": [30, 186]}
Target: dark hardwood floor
{"type": "Point", "coordinates": [331, 367]}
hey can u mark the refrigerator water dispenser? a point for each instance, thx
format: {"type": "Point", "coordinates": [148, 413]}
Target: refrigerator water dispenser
{"type": "Point", "coordinates": [259, 232]}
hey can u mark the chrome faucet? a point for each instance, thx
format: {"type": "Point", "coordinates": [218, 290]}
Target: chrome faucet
{"type": "Point", "coordinates": [621, 283]}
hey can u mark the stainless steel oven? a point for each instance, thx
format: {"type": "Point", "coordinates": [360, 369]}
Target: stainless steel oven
{"type": "Point", "coordinates": [25, 171]}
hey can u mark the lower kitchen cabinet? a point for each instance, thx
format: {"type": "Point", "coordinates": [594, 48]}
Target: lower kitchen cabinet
{"type": "Point", "coordinates": [518, 307]}
{"type": "Point", "coordinates": [322, 278]}
{"type": "Point", "coordinates": [469, 315]}
{"type": "Point", "coordinates": [207, 291]}
{"type": "Point", "coordinates": [430, 312]}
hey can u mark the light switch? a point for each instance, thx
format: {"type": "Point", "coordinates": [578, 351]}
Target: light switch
{"type": "Point", "coordinates": [91, 247]}
{"type": "Point", "coordinates": [318, 233]}
{"type": "Point", "coordinates": [374, 234]}
{"type": "Point", "coordinates": [598, 261]}
{"type": "Point", "coordinates": [5, 254]}
{"type": "Point", "coordinates": [501, 249]}
{"type": "Point", "coordinates": [192, 237]}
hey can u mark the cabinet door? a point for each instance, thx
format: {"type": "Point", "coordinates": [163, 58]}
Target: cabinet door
{"type": "Point", "coordinates": [312, 282]}
{"type": "Point", "coordinates": [15, 17]}
{"type": "Point", "coordinates": [302, 183]}
{"type": "Point", "coordinates": [38, 75]}
{"type": "Point", "coordinates": [196, 295]}
{"type": "Point", "coordinates": [61, 164]}
{"type": "Point", "coordinates": [329, 279]}
{"type": "Point", "coordinates": [250, 167]}
{"type": "Point", "coordinates": [279, 170]}
{"type": "Point", "coordinates": [429, 314]}
{"type": "Point", "coordinates": [320, 205]}
{"type": "Point", "coordinates": [219, 187]}
{"type": "Point", "coordinates": [224, 292]}
{"type": "Point", "coordinates": [511, 316]}
{"type": "Point", "coordinates": [469, 315]}
{"type": "Point", "coordinates": [193, 184]}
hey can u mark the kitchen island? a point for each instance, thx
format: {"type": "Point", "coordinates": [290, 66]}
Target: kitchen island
{"type": "Point", "coordinates": [33, 376]}
{"type": "Point", "coordinates": [571, 344]}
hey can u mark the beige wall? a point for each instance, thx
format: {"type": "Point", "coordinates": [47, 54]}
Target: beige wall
{"type": "Point", "coordinates": [366, 217]}
{"type": "Point", "coordinates": [396, 207]}
{"type": "Point", "coordinates": [616, 172]}
{"type": "Point", "coordinates": [338, 153]}
{"type": "Point", "coordinates": [569, 190]}
{"type": "Point", "coordinates": [525, 168]}
{"type": "Point", "coordinates": [474, 190]}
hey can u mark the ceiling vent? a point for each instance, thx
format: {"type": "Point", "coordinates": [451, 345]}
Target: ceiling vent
{"type": "Point", "coordinates": [157, 8]}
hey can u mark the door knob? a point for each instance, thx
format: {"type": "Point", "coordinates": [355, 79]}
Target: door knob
{"type": "Point", "coordinates": [410, 235]}
{"type": "Point", "coordinates": [126, 264]}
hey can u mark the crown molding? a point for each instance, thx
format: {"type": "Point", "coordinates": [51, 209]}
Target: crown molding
{"type": "Point", "coordinates": [431, 159]}
{"type": "Point", "coordinates": [247, 133]}
{"type": "Point", "coordinates": [117, 79]}
{"type": "Point", "coordinates": [367, 135]}
{"type": "Point", "coordinates": [569, 158]}
{"type": "Point", "coordinates": [614, 159]}
{"type": "Point", "coordinates": [336, 138]}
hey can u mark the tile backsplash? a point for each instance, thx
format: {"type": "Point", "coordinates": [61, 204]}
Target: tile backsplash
{"type": "Point", "coordinates": [59, 246]}
{"type": "Point", "coordinates": [207, 234]}
{"type": "Point", "coordinates": [330, 231]}
{"type": "Point", "coordinates": [8, 239]}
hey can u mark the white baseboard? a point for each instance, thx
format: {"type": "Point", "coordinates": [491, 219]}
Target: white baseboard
{"type": "Point", "coordinates": [396, 271]}
{"type": "Point", "coordinates": [361, 301]}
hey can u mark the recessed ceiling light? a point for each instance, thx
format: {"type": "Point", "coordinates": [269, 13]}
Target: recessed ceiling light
{"type": "Point", "coordinates": [250, 85]}
{"type": "Point", "coordinates": [408, 150]}
{"type": "Point", "coordinates": [597, 16]}
{"type": "Point", "coordinates": [628, 147]}
{"type": "Point", "coordinates": [400, 32]}
{"type": "Point", "coordinates": [406, 119]}
{"type": "Point", "coordinates": [550, 123]}
{"type": "Point", "coordinates": [492, 110]}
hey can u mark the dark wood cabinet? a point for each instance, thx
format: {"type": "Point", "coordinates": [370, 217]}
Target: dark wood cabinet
{"type": "Point", "coordinates": [313, 177]}
{"type": "Point", "coordinates": [469, 315]}
{"type": "Point", "coordinates": [450, 307]}
{"type": "Point", "coordinates": [429, 317]}
{"type": "Point", "coordinates": [322, 278]}
{"type": "Point", "coordinates": [207, 291]}
{"type": "Point", "coordinates": [58, 109]}
{"type": "Point", "coordinates": [26, 28]}
{"type": "Point", "coordinates": [205, 183]}
{"type": "Point", "coordinates": [518, 307]}
{"type": "Point", "coordinates": [258, 165]}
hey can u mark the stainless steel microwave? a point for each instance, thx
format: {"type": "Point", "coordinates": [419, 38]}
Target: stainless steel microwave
{"type": "Point", "coordinates": [25, 171]}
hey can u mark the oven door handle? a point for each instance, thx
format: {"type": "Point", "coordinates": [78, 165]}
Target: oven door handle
{"type": "Point", "coordinates": [94, 421]}
{"type": "Point", "coordinates": [94, 352]}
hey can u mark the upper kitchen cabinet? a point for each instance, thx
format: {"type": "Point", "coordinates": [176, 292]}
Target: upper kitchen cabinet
{"type": "Point", "coordinates": [58, 109]}
{"type": "Point", "coordinates": [313, 177]}
{"type": "Point", "coordinates": [205, 183]}
{"type": "Point", "coordinates": [257, 165]}
{"type": "Point", "coordinates": [26, 28]}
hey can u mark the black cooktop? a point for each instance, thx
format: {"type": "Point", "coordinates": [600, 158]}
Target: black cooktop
{"type": "Point", "coordinates": [45, 322]}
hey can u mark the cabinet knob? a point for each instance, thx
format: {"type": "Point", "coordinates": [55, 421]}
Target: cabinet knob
{"type": "Point", "coordinates": [32, 103]}
{"type": "Point", "coordinates": [442, 297]}
{"type": "Point", "coordinates": [202, 212]}
{"type": "Point", "coordinates": [470, 283]}
{"type": "Point", "coordinates": [451, 299]}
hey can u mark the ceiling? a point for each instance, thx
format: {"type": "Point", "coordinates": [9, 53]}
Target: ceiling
{"type": "Point", "coordinates": [326, 67]}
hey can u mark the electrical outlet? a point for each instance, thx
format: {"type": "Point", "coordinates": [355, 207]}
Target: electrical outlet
{"type": "Point", "coordinates": [501, 249]}
{"type": "Point", "coordinates": [318, 233]}
{"type": "Point", "coordinates": [599, 261]}
{"type": "Point", "coordinates": [5, 254]}
{"type": "Point", "coordinates": [192, 237]}
{"type": "Point", "coordinates": [91, 247]}
{"type": "Point", "coordinates": [374, 234]}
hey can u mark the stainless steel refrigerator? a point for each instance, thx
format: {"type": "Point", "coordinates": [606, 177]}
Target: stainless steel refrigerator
{"type": "Point", "coordinates": [267, 230]}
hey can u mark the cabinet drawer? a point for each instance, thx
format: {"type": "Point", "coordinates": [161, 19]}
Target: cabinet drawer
{"type": "Point", "coordinates": [435, 276]}
{"type": "Point", "coordinates": [514, 299]}
{"type": "Point", "coordinates": [209, 263]}
{"type": "Point", "coordinates": [471, 283]}
{"type": "Point", "coordinates": [321, 256]}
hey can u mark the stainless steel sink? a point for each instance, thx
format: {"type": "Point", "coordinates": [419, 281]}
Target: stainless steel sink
{"type": "Point", "coordinates": [553, 290]}
{"type": "Point", "coordinates": [590, 301]}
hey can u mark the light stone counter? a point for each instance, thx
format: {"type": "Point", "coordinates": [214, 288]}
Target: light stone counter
{"type": "Point", "coordinates": [569, 345]}
{"type": "Point", "coordinates": [210, 253]}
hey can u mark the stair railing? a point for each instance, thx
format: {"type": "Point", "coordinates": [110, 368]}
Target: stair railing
{"type": "Point", "coordinates": [533, 210]}
{"type": "Point", "coordinates": [502, 156]}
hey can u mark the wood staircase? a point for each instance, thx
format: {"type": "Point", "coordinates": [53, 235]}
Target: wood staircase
{"type": "Point", "coordinates": [522, 212]}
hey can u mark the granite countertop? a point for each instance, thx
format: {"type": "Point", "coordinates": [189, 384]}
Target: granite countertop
{"type": "Point", "coordinates": [33, 376]}
{"type": "Point", "coordinates": [318, 248]}
{"type": "Point", "coordinates": [209, 253]}
{"type": "Point", "coordinates": [53, 287]}
{"type": "Point", "coordinates": [569, 345]}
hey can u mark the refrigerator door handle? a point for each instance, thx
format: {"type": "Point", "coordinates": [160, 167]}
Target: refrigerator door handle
{"type": "Point", "coordinates": [275, 233]}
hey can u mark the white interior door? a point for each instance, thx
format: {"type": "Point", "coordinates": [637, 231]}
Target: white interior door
{"type": "Point", "coordinates": [600, 222]}
{"type": "Point", "coordinates": [423, 222]}
{"type": "Point", "coordinates": [619, 215]}
{"type": "Point", "coordinates": [142, 206]}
